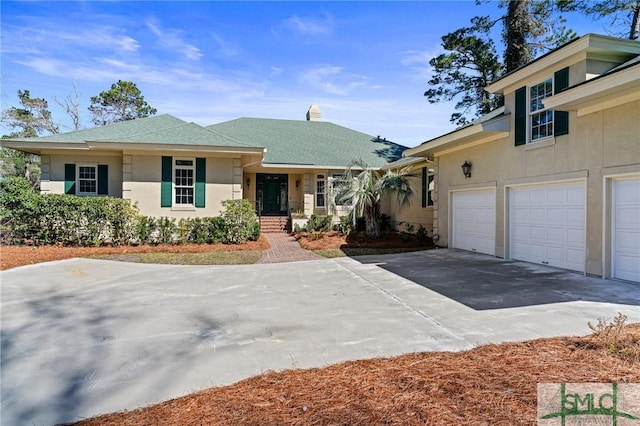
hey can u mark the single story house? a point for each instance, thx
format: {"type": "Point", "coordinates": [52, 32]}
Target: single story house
{"type": "Point", "coordinates": [169, 167]}
{"type": "Point", "coordinates": [553, 177]}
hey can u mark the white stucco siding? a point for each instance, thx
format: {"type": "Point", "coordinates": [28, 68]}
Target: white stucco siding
{"type": "Point", "coordinates": [146, 175]}
{"type": "Point", "coordinates": [53, 172]}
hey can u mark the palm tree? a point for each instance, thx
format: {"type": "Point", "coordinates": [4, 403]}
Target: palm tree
{"type": "Point", "coordinates": [362, 188]}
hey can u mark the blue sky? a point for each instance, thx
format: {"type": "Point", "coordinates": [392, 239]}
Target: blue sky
{"type": "Point", "coordinates": [364, 63]}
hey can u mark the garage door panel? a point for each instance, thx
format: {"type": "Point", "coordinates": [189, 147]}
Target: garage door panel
{"type": "Point", "coordinates": [627, 218]}
{"type": "Point", "coordinates": [625, 229]}
{"type": "Point", "coordinates": [549, 227]}
{"type": "Point", "coordinates": [473, 221]}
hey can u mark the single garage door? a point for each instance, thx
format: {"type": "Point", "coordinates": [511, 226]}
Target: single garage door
{"type": "Point", "coordinates": [625, 236]}
{"type": "Point", "coordinates": [474, 220]}
{"type": "Point", "coordinates": [547, 224]}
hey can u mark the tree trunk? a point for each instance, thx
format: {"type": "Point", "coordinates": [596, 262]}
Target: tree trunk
{"type": "Point", "coordinates": [372, 220]}
{"type": "Point", "coordinates": [635, 23]}
{"type": "Point", "coordinates": [516, 30]}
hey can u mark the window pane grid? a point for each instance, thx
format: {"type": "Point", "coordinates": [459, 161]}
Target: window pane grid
{"type": "Point", "coordinates": [183, 182]}
{"type": "Point", "coordinates": [541, 119]}
{"type": "Point", "coordinates": [320, 191]}
{"type": "Point", "coordinates": [87, 182]}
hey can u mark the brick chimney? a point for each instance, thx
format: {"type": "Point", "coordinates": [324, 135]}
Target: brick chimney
{"type": "Point", "coordinates": [314, 113]}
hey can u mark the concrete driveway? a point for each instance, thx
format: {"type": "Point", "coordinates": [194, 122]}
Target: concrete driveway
{"type": "Point", "coordinates": [84, 337]}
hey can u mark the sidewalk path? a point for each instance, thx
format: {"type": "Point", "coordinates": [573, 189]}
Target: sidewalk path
{"type": "Point", "coordinates": [284, 248]}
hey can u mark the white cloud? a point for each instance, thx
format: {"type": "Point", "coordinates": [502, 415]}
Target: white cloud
{"type": "Point", "coordinates": [172, 39]}
{"type": "Point", "coordinates": [332, 79]}
{"type": "Point", "coordinates": [417, 61]}
{"type": "Point", "coordinates": [310, 26]}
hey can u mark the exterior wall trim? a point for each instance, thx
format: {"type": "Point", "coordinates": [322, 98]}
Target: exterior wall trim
{"type": "Point", "coordinates": [609, 175]}
{"type": "Point", "coordinates": [554, 178]}
{"type": "Point", "coordinates": [466, 188]}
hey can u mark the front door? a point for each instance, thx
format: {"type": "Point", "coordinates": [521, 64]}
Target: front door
{"type": "Point", "coordinates": [273, 193]}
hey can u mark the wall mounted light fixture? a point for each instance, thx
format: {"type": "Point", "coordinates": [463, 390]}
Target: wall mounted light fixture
{"type": "Point", "coordinates": [466, 169]}
{"type": "Point", "coordinates": [297, 183]}
{"type": "Point", "coordinates": [248, 182]}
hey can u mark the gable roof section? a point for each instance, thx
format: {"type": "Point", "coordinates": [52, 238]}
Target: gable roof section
{"type": "Point", "coordinates": [594, 45]}
{"type": "Point", "coordinates": [309, 143]}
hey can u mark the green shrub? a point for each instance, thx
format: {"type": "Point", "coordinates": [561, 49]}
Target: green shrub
{"type": "Point", "coordinates": [167, 230]}
{"type": "Point", "coordinates": [26, 215]}
{"type": "Point", "coordinates": [345, 224]}
{"type": "Point", "coordinates": [422, 234]}
{"type": "Point", "coordinates": [146, 228]}
{"type": "Point", "coordinates": [318, 223]}
{"type": "Point", "coordinates": [29, 216]}
{"type": "Point", "coordinates": [239, 221]}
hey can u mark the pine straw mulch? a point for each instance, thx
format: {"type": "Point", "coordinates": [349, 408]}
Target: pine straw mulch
{"type": "Point", "coordinates": [492, 384]}
{"type": "Point", "coordinates": [14, 256]}
{"type": "Point", "coordinates": [334, 239]}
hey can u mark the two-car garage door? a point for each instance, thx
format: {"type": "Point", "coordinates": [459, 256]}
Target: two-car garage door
{"type": "Point", "coordinates": [547, 224]}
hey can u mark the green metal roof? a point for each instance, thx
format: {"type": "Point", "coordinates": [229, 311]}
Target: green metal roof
{"type": "Point", "coordinates": [320, 143]}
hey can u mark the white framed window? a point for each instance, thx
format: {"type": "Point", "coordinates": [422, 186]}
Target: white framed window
{"type": "Point", "coordinates": [320, 191]}
{"type": "Point", "coordinates": [431, 186]}
{"type": "Point", "coordinates": [540, 118]}
{"type": "Point", "coordinates": [183, 181]}
{"type": "Point", "coordinates": [87, 179]}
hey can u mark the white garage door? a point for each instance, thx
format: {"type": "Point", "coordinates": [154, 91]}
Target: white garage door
{"type": "Point", "coordinates": [474, 221]}
{"type": "Point", "coordinates": [547, 224]}
{"type": "Point", "coordinates": [625, 241]}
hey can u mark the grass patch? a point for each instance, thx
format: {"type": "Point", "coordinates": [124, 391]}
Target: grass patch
{"type": "Point", "coordinates": [238, 257]}
{"type": "Point", "coordinates": [364, 251]}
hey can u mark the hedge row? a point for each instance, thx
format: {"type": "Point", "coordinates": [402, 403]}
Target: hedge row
{"type": "Point", "coordinates": [28, 216]}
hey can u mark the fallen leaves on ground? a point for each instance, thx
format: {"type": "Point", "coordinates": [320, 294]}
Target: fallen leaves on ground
{"type": "Point", "coordinates": [492, 384]}
{"type": "Point", "coordinates": [13, 256]}
{"type": "Point", "coordinates": [334, 240]}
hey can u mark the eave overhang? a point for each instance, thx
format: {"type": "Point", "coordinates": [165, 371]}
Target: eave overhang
{"type": "Point", "coordinates": [467, 136]}
{"type": "Point", "coordinates": [603, 92]}
{"type": "Point", "coordinates": [33, 147]}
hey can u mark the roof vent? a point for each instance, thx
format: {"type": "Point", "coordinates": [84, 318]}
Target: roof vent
{"type": "Point", "coordinates": [314, 113]}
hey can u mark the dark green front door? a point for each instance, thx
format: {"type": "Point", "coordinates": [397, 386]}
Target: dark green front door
{"type": "Point", "coordinates": [273, 193]}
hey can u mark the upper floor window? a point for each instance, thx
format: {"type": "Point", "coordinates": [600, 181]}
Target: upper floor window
{"type": "Point", "coordinates": [183, 181]}
{"type": "Point", "coordinates": [540, 118]}
{"type": "Point", "coordinates": [534, 122]}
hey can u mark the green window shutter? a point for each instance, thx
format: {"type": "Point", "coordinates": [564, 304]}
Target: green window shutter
{"type": "Point", "coordinates": [560, 80]}
{"type": "Point", "coordinates": [103, 179]}
{"type": "Point", "coordinates": [561, 118]}
{"type": "Point", "coordinates": [70, 179]}
{"type": "Point", "coordinates": [520, 131]}
{"type": "Point", "coordinates": [167, 182]}
{"type": "Point", "coordinates": [201, 168]}
{"type": "Point", "coordinates": [424, 187]}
